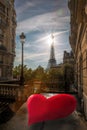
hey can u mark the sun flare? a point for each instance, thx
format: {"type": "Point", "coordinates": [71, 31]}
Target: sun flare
{"type": "Point", "coordinates": [50, 39]}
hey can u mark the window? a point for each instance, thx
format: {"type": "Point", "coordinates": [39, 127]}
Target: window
{"type": "Point", "coordinates": [1, 58]}
{"type": "Point", "coordinates": [2, 8]}
{"type": "Point", "coordinates": [0, 43]}
{"type": "Point", "coordinates": [86, 59]}
{"type": "Point", "coordinates": [0, 19]}
{"type": "Point", "coordinates": [0, 72]}
{"type": "Point", "coordinates": [0, 31]}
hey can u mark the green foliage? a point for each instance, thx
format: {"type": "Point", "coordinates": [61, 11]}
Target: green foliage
{"type": "Point", "coordinates": [55, 73]}
{"type": "Point", "coordinates": [26, 70]}
{"type": "Point", "coordinates": [29, 74]}
{"type": "Point", "coordinates": [61, 77]}
{"type": "Point", "coordinates": [55, 78]}
{"type": "Point", "coordinates": [39, 73]}
{"type": "Point", "coordinates": [16, 71]}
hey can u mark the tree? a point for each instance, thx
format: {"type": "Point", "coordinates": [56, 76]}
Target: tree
{"type": "Point", "coordinates": [16, 71]}
{"type": "Point", "coordinates": [38, 73]}
{"type": "Point", "coordinates": [55, 79]}
{"type": "Point", "coordinates": [26, 71]}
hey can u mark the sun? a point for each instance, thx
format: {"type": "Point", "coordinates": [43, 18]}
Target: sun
{"type": "Point", "coordinates": [50, 39]}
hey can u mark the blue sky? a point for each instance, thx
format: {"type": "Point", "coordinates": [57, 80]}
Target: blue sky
{"type": "Point", "coordinates": [38, 19]}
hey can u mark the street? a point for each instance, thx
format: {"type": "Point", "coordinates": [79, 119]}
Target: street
{"type": "Point", "coordinates": [20, 122]}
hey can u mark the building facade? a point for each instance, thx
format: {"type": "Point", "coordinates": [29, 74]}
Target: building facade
{"type": "Point", "coordinates": [78, 42]}
{"type": "Point", "coordinates": [68, 57]}
{"type": "Point", "coordinates": [68, 66]}
{"type": "Point", "coordinates": [7, 38]}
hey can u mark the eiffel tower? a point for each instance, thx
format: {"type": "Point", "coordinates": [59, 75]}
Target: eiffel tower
{"type": "Point", "coordinates": [52, 61]}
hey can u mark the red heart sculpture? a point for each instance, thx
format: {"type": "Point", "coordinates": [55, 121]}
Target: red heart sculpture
{"type": "Point", "coordinates": [41, 108]}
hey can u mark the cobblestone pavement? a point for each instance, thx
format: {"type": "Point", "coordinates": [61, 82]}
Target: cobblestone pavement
{"type": "Point", "coordinates": [20, 122]}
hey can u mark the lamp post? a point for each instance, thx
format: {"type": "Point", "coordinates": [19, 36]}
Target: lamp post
{"type": "Point", "coordinates": [86, 8]}
{"type": "Point", "coordinates": [22, 40]}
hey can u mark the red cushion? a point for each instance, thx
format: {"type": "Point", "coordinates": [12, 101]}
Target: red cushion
{"type": "Point", "coordinates": [41, 108]}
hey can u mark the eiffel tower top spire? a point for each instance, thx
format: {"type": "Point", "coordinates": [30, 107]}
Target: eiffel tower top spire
{"type": "Point", "coordinates": [52, 61]}
{"type": "Point", "coordinates": [52, 36]}
{"type": "Point", "coordinates": [52, 55]}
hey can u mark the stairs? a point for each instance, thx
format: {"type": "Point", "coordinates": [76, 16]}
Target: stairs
{"type": "Point", "coordinates": [5, 112]}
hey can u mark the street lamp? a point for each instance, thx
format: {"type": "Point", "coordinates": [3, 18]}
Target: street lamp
{"type": "Point", "coordinates": [86, 8]}
{"type": "Point", "coordinates": [22, 40]}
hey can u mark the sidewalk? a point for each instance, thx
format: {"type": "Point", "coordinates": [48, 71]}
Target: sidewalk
{"type": "Point", "coordinates": [20, 122]}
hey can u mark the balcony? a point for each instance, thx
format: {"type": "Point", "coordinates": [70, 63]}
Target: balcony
{"type": "Point", "coordinates": [3, 23]}
{"type": "Point", "coordinates": [5, 2]}
{"type": "Point", "coordinates": [8, 92]}
{"type": "Point", "coordinates": [2, 12]}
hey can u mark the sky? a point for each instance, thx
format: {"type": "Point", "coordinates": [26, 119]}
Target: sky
{"type": "Point", "coordinates": [38, 19]}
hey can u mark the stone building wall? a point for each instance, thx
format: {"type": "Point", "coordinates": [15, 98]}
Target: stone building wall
{"type": "Point", "coordinates": [7, 38]}
{"type": "Point", "coordinates": [78, 42]}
